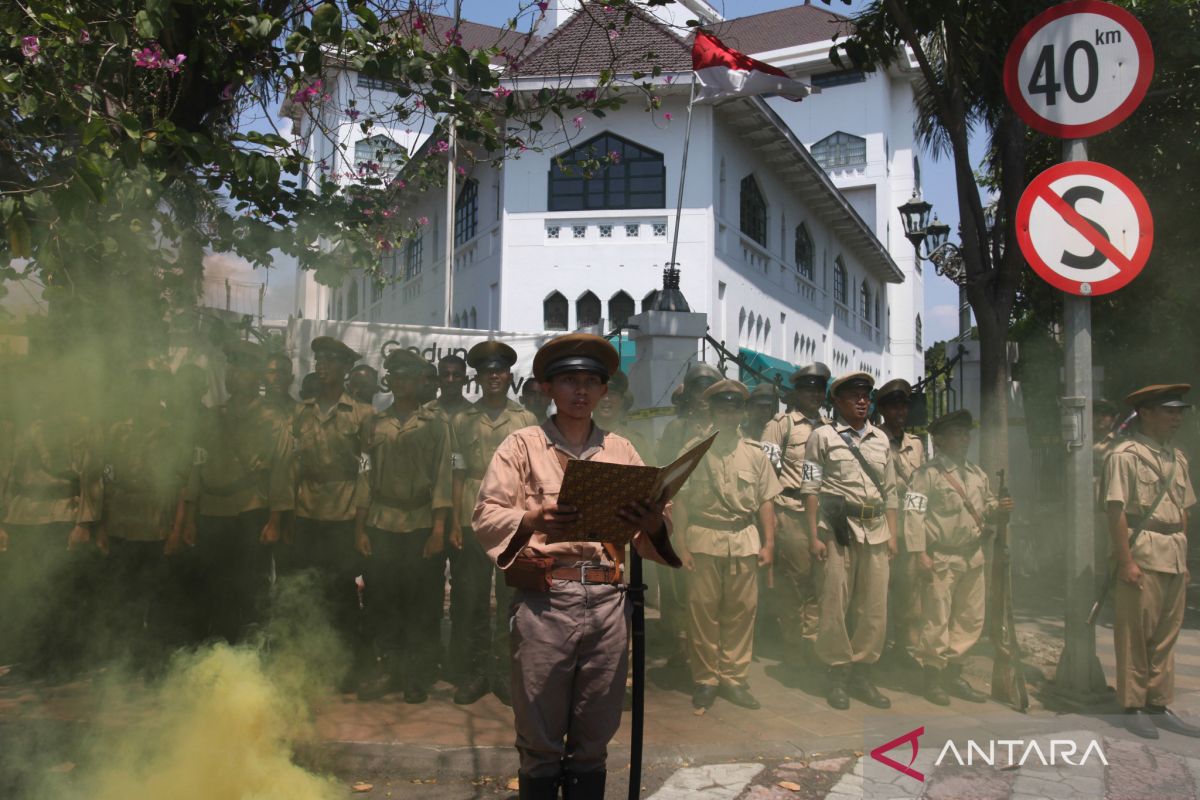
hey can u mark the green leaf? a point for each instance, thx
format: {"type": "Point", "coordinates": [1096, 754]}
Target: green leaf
{"type": "Point", "coordinates": [131, 124]}
{"type": "Point", "coordinates": [118, 34]}
{"type": "Point", "coordinates": [20, 241]}
{"type": "Point", "coordinates": [147, 27]}
{"type": "Point", "coordinates": [327, 21]}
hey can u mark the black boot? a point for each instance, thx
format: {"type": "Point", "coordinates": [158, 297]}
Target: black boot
{"type": "Point", "coordinates": [538, 788]}
{"type": "Point", "coordinates": [956, 685]}
{"type": "Point", "coordinates": [1137, 722]}
{"type": "Point", "coordinates": [1165, 718]}
{"type": "Point", "coordinates": [934, 692]}
{"type": "Point", "coordinates": [584, 786]}
{"type": "Point", "coordinates": [863, 689]}
{"type": "Point", "coordinates": [835, 694]}
{"type": "Point", "coordinates": [470, 689]}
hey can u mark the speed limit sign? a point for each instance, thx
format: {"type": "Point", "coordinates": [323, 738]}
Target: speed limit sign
{"type": "Point", "coordinates": [1078, 69]}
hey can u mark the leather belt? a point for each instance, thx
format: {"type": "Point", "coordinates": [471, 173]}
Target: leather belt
{"type": "Point", "coordinates": [51, 492]}
{"type": "Point", "coordinates": [1137, 523]}
{"type": "Point", "coordinates": [859, 511]}
{"type": "Point", "coordinates": [793, 494]}
{"type": "Point", "coordinates": [587, 573]}
{"type": "Point", "coordinates": [721, 525]}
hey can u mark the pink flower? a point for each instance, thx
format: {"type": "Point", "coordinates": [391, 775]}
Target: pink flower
{"type": "Point", "coordinates": [452, 36]}
{"type": "Point", "coordinates": [543, 6]}
{"type": "Point", "coordinates": [422, 220]}
{"type": "Point", "coordinates": [368, 212]}
{"type": "Point", "coordinates": [578, 123]}
{"type": "Point", "coordinates": [419, 25]}
{"type": "Point", "coordinates": [669, 80]}
{"type": "Point", "coordinates": [172, 65]}
{"type": "Point", "coordinates": [307, 94]}
{"type": "Point", "coordinates": [84, 36]}
{"type": "Point", "coordinates": [388, 213]}
{"type": "Point", "coordinates": [614, 156]}
{"type": "Point", "coordinates": [608, 9]}
{"type": "Point", "coordinates": [401, 184]}
{"type": "Point", "coordinates": [462, 170]}
{"type": "Point", "coordinates": [613, 35]}
{"type": "Point", "coordinates": [30, 47]}
{"type": "Point", "coordinates": [385, 245]}
{"type": "Point", "coordinates": [585, 95]}
{"type": "Point", "coordinates": [441, 146]}
{"type": "Point", "coordinates": [227, 92]}
{"type": "Point", "coordinates": [667, 116]}
{"type": "Point", "coordinates": [353, 114]}
{"type": "Point", "coordinates": [502, 91]}
{"type": "Point", "coordinates": [149, 57]}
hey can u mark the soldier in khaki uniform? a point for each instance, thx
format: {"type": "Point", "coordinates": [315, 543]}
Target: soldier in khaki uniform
{"type": "Point", "coordinates": [534, 400]}
{"type": "Point", "coordinates": [908, 453]}
{"type": "Point", "coordinates": [610, 415]}
{"type": "Point", "coordinates": [331, 433]}
{"type": "Point", "coordinates": [1148, 493]}
{"type": "Point", "coordinates": [240, 485]}
{"type": "Point", "coordinates": [363, 384]}
{"type": "Point", "coordinates": [277, 384]}
{"type": "Point", "coordinates": [851, 510]}
{"type": "Point", "coordinates": [478, 641]}
{"type": "Point", "coordinates": [403, 534]}
{"type": "Point", "coordinates": [146, 469]}
{"type": "Point", "coordinates": [794, 601]}
{"type": "Point", "coordinates": [946, 508]}
{"type": "Point", "coordinates": [727, 522]}
{"type": "Point", "coordinates": [52, 499]}
{"type": "Point", "coordinates": [761, 408]}
{"type": "Point", "coordinates": [452, 379]}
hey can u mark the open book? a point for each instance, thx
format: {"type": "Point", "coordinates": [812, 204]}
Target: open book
{"type": "Point", "coordinates": [599, 489]}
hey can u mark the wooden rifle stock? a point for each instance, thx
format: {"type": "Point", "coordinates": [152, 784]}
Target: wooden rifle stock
{"type": "Point", "coordinates": [1008, 676]}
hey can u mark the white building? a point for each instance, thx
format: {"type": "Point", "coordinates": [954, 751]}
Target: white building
{"type": "Point", "coordinates": [782, 262]}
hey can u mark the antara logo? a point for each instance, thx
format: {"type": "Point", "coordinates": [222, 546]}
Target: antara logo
{"type": "Point", "coordinates": [993, 752]}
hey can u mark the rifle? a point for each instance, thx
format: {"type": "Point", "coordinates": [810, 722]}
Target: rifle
{"type": "Point", "coordinates": [637, 591]}
{"type": "Point", "coordinates": [1008, 676]}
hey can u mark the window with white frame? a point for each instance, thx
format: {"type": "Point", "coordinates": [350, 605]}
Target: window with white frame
{"type": "Point", "coordinates": [840, 149]}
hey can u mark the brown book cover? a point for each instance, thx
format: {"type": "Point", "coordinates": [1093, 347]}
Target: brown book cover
{"type": "Point", "coordinates": [599, 489]}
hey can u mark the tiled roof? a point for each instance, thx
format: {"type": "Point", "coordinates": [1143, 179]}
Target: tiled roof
{"type": "Point", "coordinates": [587, 43]}
{"type": "Point", "coordinates": [787, 27]}
{"type": "Point", "coordinates": [474, 34]}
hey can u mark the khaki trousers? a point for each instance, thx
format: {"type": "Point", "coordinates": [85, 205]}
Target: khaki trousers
{"type": "Point", "coordinates": [1144, 633]}
{"type": "Point", "coordinates": [952, 605]}
{"type": "Point", "coordinates": [854, 582]}
{"type": "Point", "coordinates": [904, 603]}
{"type": "Point", "coordinates": [722, 603]}
{"type": "Point", "coordinates": [570, 655]}
{"type": "Point", "coordinates": [795, 594]}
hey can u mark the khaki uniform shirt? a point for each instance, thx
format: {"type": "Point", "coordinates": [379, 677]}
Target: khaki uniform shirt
{"type": "Point", "coordinates": [410, 470]}
{"type": "Point", "coordinates": [525, 472]}
{"type": "Point", "coordinates": [331, 459]}
{"type": "Point", "coordinates": [723, 496]}
{"type": "Point", "coordinates": [474, 439]}
{"type": "Point", "coordinates": [146, 468]}
{"type": "Point", "coordinates": [242, 461]}
{"type": "Point", "coordinates": [830, 468]}
{"type": "Point", "coordinates": [789, 432]}
{"type": "Point", "coordinates": [1133, 477]}
{"type": "Point", "coordinates": [937, 521]}
{"type": "Point", "coordinates": [908, 455]}
{"type": "Point", "coordinates": [55, 476]}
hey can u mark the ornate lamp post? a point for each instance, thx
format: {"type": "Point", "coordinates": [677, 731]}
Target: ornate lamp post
{"type": "Point", "coordinates": [930, 241]}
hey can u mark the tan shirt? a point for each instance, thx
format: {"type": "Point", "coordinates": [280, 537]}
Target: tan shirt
{"type": "Point", "coordinates": [54, 477]}
{"type": "Point", "coordinates": [723, 496]}
{"type": "Point", "coordinates": [830, 468]}
{"type": "Point", "coordinates": [331, 459]}
{"type": "Point", "coordinates": [1133, 476]}
{"type": "Point", "coordinates": [146, 467]}
{"type": "Point", "coordinates": [474, 439]}
{"type": "Point", "coordinates": [937, 521]}
{"type": "Point", "coordinates": [789, 432]}
{"type": "Point", "coordinates": [410, 470]}
{"type": "Point", "coordinates": [242, 461]}
{"type": "Point", "coordinates": [524, 472]}
{"type": "Point", "coordinates": [908, 455]}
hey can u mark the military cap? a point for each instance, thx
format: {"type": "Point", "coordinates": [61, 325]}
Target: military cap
{"type": "Point", "coordinates": [245, 355]}
{"type": "Point", "coordinates": [701, 376]}
{"type": "Point", "coordinates": [961, 418]}
{"type": "Point", "coordinates": [335, 347]}
{"type": "Point", "coordinates": [815, 375]}
{"type": "Point", "coordinates": [1167, 395]}
{"type": "Point", "coordinates": [576, 352]}
{"type": "Point", "coordinates": [852, 380]}
{"type": "Point", "coordinates": [619, 382]}
{"type": "Point", "coordinates": [726, 391]}
{"type": "Point", "coordinates": [428, 369]}
{"type": "Point", "coordinates": [677, 395]}
{"type": "Point", "coordinates": [1103, 405]}
{"type": "Point", "coordinates": [403, 360]}
{"type": "Point", "coordinates": [491, 355]}
{"type": "Point", "coordinates": [764, 393]}
{"type": "Point", "coordinates": [895, 389]}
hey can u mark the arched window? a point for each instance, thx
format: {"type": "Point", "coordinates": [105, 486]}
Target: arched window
{"type": "Point", "coordinates": [648, 300]}
{"type": "Point", "coordinates": [840, 150]}
{"type": "Point", "coordinates": [918, 331]}
{"type": "Point", "coordinates": [554, 312]}
{"type": "Point", "coordinates": [474, 319]}
{"type": "Point", "coordinates": [754, 211]}
{"type": "Point", "coordinates": [629, 176]}
{"type": "Point", "coordinates": [840, 282]}
{"type": "Point", "coordinates": [466, 212]}
{"type": "Point", "coordinates": [587, 310]}
{"type": "Point", "coordinates": [414, 251]}
{"type": "Point", "coordinates": [379, 150]}
{"type": "Point", "coordinates": [620, 309]}
{"type": "Point", "coordinates": [805, 261]}
{"type": "Point", "coordinates": [352, 300]}
{"type": "Point", "coordinates": [457, 321]}
{"type": "Point", "coordinates": [864, 300]}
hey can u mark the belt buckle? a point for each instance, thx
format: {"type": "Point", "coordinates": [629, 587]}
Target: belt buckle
{"type": "Point", "coordinates": [865, 510]}
{"type": "Point", "coordinates": [583, 571]}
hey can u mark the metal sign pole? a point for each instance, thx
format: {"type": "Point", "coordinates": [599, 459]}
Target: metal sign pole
{"type": "Point", "coordinates": [1079, 677]}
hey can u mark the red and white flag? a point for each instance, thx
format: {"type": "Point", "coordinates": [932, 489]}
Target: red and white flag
{"type": "Point", "coordinates": [722, 72]}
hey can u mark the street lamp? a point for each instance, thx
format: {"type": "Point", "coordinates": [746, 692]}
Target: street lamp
{"type": "Point", "coordinates": [933, 236]}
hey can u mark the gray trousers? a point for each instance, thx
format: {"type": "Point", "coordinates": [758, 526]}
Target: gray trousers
{"type": "Point", "coordinates": [570, 654]}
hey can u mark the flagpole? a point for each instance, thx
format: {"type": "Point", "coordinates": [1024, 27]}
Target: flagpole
{"type": "Point", "coordinates": [687, 139]}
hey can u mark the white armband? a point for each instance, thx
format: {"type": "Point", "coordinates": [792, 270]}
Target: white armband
{"type": "Point", "coordinates": [457, 461]}
{"type": "Point", "coordinates": [364, 463]}
{"type": "Point", "coordinates": [811, 471]}
{"type": "Point", "coordinates": [915, 501]}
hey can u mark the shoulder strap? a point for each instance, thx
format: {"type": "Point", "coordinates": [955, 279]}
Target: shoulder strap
{"type": "Point", "coordinates": [862, 462]}
{"type": "Point", "coordinates": [958, 488]}
{"type": "Point", "coordinates": [1162, 493]}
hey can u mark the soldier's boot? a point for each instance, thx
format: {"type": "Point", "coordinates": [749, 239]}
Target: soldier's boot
{"type": "Point", "coordinates": [835, 693]}
{"type": "Point", "coordinates": [584, 786]}
{"type": "Point", "coordinates": [957, 685]}
{"type": "Point", "coordinates": [1166, 719]}
{"type": "Point", "coordinates": [1137, 722]}
{"type": "Point", "coordinates": [502, 688]}
{"type": "Point", "coordinates": [531, 788]}
{"type": "Point", "coordinates": [863, 689]}
{"type": "Point", "coordinates": [934, 691]}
